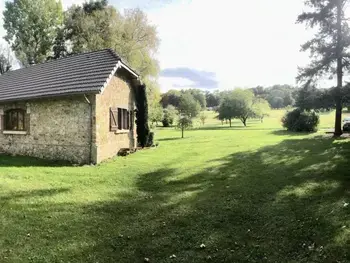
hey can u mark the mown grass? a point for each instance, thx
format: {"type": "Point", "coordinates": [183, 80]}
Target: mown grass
{"type": "Point", "coordinates": [254, 194]}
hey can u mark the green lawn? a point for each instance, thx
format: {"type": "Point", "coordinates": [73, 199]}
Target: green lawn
{"type": "Point", "coordinates": [254, 194]}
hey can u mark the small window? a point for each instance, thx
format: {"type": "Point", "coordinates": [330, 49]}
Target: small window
{"type": "Point", "coordinates": [123, 119]}
{"type": "Point", "coordinates": [15, 120]}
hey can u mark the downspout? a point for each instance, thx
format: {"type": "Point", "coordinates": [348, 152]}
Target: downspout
{"type": "Point", "coordinates": [91, 128]}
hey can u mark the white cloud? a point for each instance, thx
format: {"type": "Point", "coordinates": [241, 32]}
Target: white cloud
{"type": "Point", "coordinates": [171, 83]}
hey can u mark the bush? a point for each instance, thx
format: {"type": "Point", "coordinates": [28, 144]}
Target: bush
{"type": "Point", "coordinates": [301, 121]}
{"type": "Point", "coordinates": [150, 141]}
{"type": "Point", "coordinates": [169, 114]}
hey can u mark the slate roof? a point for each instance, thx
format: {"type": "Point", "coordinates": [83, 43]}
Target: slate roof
{"type": "Point", "coordinates": [81, 73]}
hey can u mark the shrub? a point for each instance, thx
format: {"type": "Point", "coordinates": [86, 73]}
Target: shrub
{"type": "Point", "coordinates": [301, 121]}
{"type": "Point", "coordinates": [150, 141]}
{"type": "Point", "coordinates": [169, 114]}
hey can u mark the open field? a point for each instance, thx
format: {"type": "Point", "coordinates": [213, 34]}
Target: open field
{"type": "Point", "coordinates": [254, 194]}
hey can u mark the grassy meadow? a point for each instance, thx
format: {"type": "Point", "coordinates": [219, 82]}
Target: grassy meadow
{"type": "Point", "coordinates": [221, 194]}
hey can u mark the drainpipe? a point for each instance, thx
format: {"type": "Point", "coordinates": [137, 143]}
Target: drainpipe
{"type": "Point", "coordinates": [91, 128]}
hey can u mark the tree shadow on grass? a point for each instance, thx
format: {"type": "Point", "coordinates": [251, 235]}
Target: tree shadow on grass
{"type": "Point", "coordinates": [34, 193]}
{"type": "Point", "coordinates": [247, 128]}
{"type": "Point", "coordinates": [288, 133]}
{"type": "Point", "coordinates": [281, 203]}
{"type": "Point", "coordinates": [169, 139]}
{"type": "Point", "coordinates": [25, 161]}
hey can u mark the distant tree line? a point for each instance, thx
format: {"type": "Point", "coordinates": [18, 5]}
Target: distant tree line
{"type": "Point", "coordinates": [278, 96]}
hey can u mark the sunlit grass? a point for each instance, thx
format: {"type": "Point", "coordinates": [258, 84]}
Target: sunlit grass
{"type": "Point", "coordinates": [249, 194]}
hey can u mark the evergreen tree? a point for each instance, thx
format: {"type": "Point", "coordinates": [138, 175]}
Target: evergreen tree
{"type": "Point", "coordinates": [142, 128]}
{"type": "Point", "coordinates": [328, 47]}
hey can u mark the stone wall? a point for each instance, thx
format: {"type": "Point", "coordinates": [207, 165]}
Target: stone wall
{"type": "Point", "coordinates": [117, 94]}
{"type": "Point", "coordinates": [59, 129]}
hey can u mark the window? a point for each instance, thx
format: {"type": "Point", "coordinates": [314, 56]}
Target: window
{"type": "Point", "coordinates": [15, 120]}
{"type": "Point", "coordinates": [119, 119]}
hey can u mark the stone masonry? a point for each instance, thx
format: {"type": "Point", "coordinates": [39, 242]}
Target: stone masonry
{"type": "Point", "coordinates": [58, 129]}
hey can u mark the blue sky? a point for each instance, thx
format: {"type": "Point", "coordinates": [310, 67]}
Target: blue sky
{"type": "Point", "coordinates": [223, 44]}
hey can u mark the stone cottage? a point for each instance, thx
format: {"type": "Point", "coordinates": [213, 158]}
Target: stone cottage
{"type": "Point", "coordinates": [79, 108]}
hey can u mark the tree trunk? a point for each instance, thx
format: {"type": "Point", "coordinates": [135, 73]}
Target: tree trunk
{"type": "Point", "coordinates": [262, 120]}
{"type": "Point", "coordinates": [182, 132]}
{"type": "Point", "coordinates": [339, 51]}
{"type": "Point", "coordinates": [244, 120]}
{"type": "Point", "coordinates": [230, 122]}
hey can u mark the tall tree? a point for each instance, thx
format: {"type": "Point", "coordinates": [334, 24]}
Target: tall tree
{"type": "Point", "coordinates": [328, 48]}
{"type": "Point", "coordinates": [171, 97]}
{"type": "Point", "coordinates": [97, 25]}
{"type": "Point", "coordinates": [237, 104]}
{"type": "Point", "coordinates": [31, 28]}
{"type": "Point", "coordinates": [260, 108]}
{"type": "Point", "coordinates": [212, 99]}
{"type": "Point", "coordinates": [188, 106]}
{"type": "Point", "coordinates": [199, 96]}
{"type": "Point", "coordinates": [155, 110]}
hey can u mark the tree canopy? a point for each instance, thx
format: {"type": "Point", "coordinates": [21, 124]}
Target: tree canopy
{"type": "Point", "coordinates": [278, 96]}
{"type": "Point", "coordinates": [328, 48]}
{"type": "Point", "coordinates": [31, 27]}
{"type": "Point", "coordinates": [188, 106]}
{"type": "Point", "coordinates": [237, 104]}
{"type": "Point", "coordinates": [96, 25]}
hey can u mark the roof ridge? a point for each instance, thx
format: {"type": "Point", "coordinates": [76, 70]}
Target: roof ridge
{"type": "Point", "coordinates": [66, 57]}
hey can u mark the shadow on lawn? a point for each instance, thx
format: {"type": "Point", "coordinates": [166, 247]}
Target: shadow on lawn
{"type": "Point", "coordinates": [282, 203]}
{"type": "Point", "coordinates": [234, 127]}
{"type": "Point", "coordinates": [169, 139]}
{"type": "Point", "coordinates": [35, 193]}
{"type": "Point", "coordinates": [25, 161]}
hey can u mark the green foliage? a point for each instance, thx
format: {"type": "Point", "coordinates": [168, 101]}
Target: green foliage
{"type": "Point", "coordinates": [278, 96]}
{"type": "Point", "coordinates": [260, 109]}
{"type": "Point", "coordinates": [59, 48]}
{"type": "Point", "coordinates": [188, 106]}
{"type": "Point", "coordinates": [329, 47]}
{"type": "Point", "coordinates": [301, 121]}
{"type": "Point", "coordinates": [203, 117]}
{"type": "Point", "coordinates": [325, 48]}
{"type": "Point", "coordinates": [171, 97]}
{"type": "Point", "coordinates": [150, 140]}
{"type": "Point", "coordinates": [31, 27]}
{"type": "Point", "coordinates": [98, 26]}
{"type": "Point", "coordinates": [169, 115]}
{"type": "Point", "coordinates": [310, 98]}
{"type": "Point", "coordinates": [212, 99]}
{"type": "Point", "coordinates": [155, 110]}
{"type": "Point", "coordinates": [199, 96]}
{"type": "Point", "coordinates": [236, 104]}
{"type": "Point", "coordinates": [142, 128]}
{"type": "Point", "coordinates": [184, 122]}
{"type": "Point", "coordinates": [93, 5]}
